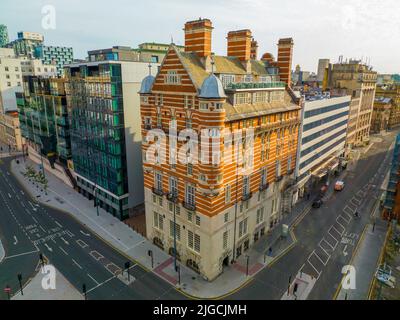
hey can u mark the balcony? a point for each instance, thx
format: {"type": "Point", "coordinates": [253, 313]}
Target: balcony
{"type": "Point", "coordinates": [173, 197]}
{"type": "Point", "coordinates": [189, 206]}
{"type": "Point", "coordinates": [264, 186]}
{"type": "Point", "coordinates": [158, 192]}
{"type": "Point", "coordinates": [247, 196]}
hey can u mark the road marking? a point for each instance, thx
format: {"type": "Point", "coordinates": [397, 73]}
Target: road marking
{"type": "Point", "coordinates": [48, 248]}
{"type": "Point", "coordinates": [81, 243]}
{"type": "Point", "coordinates": [9, 195]}
{"type": "Point", "coordinates": [21, 254]}
{"type": "Point", "coordinates": [324, 241]}
{"type": "Point", "coordinates": [63, 251]}
{"type": "Point", "coordinates": [97, 256]}
{"type": "Point", "coordinates": [85, 234]}
{"type": "Point", "coordinates": [57, 223]}
{"type": "Point", "coordinates": [77, 264]}
{"type": "Point", "coordinates": [65, 241]}
{"type": "Point", "coordinates": [15, 241]}
{"type": "Point", "coordinates": [345, 251]}
{"type": "Point", "coordinates": [69, 233]}
{"type": "Point", "coordinates": [93, 279]}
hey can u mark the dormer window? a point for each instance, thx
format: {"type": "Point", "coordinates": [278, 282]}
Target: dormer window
{"type": "Point", "coordinates": [172, 78]}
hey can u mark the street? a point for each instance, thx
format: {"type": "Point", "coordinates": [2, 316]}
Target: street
{"type": "Point", "coordinates": [326, 240]}
{"type": "Point", "coordinates": [327, 237]}
{"type": "Point", "coordinates": [27, 228]}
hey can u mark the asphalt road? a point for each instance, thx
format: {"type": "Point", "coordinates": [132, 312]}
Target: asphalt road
{"type": "Point", "coordinates": [327, 236]}
{"type": "Point", "coordinates": [27, 228]}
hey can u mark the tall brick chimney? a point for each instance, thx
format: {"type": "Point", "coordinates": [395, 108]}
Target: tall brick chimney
{"type": "Point", "coordinates": [239, 44]}
{"type": "Point", "coordinates": [198, 37]}
{"type": "Point", "coordinates": [254, 50]}
{"type": "Point", "coordinates": [285, 56]}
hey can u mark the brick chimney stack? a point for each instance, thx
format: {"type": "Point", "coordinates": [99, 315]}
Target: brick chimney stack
{"type": "Point", "coordinates": [254, 49]}
{"type": "Point", "coordinates": [198, 37]}
{"type": "Point", "coordinates": [239, 44]}
{"type": "Point", "coordinates": [285, 56]}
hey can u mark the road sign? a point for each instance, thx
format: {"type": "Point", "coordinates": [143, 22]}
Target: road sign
{"type": "Point", "coordinates": [7, 289]}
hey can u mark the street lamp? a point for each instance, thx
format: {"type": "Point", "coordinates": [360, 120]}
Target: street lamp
{"type": "Point", "coordinates": [247, 265]}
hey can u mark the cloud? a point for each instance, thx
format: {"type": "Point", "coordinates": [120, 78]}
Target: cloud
{"type": "Point", "coordinates": [320, 28]}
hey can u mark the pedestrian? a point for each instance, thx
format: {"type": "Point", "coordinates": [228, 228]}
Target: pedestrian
{"type": "Point", "coordinates": [270, 251]}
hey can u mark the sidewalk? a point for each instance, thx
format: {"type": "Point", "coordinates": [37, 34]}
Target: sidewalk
{"type": "Point", "coordinates": [134, 246]}
{"type": "Point", "coordinates": [34, 290]}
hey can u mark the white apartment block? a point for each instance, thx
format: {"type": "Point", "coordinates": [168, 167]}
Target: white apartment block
{"type": "Point", "coordinates": [322, 138]}
{"type": "Point", "coordinates": [12, 69]}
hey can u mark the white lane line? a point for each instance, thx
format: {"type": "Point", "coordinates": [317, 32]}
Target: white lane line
{"type": "Point", "coordinates": [323, 240]}
{"type": "Point", "coordinates": [15, 240]}
{"type": "Point", "coordinates": [63, 251]}
{"type": "Point", "coordinates": [77, 264]}
{"type": "Point", "coordinates": [48, 248]}
{"type": "Point", "coordinates": [43, 229]}
{"type": "Point", "coordinates": [9, 195]}
{"type": "Point", "coordinates": [21, 254]}
{"type": "Point", "coordinates": [65, 241]}
{"type": "Point", "coordinates": [57, 223]}
{"type": "Point", "coordinates": [85, 234]}
{"type": "Point", "coordinates": [100, 284]}
{"type": "Point", "coordinates": [95, 281]}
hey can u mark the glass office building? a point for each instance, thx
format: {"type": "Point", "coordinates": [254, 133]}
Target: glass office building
{"type": "Point", "coordinates": [95, 102]}
{"type": "Point", "coordinates": [43, 117]}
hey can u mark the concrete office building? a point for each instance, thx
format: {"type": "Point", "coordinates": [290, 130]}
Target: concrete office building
{"type": "Point", "coordinates": [323, 64]}
{"type": "Point", "coordinates": [322, 139]}
{"type": "Point", "coordinates": [104, 106]}
{"type": "Point", "coordinates": [359, 81]}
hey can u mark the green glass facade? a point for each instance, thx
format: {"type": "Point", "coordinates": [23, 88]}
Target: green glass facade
{"type": "Point", "coordinates": [95, 104]}
{"type": "Point", "coordinates": [43, 117]}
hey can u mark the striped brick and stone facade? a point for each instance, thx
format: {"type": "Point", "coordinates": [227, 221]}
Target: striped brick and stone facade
{"type": "Point", "coordinates": [209, 212]}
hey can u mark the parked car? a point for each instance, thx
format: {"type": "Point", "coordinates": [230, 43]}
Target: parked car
{"type": "Point", "coordinates": [339, 186]}
{"type": "Point", "coordinates": [317, 203]}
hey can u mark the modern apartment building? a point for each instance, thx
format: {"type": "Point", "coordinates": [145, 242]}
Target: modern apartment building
{"type": "Point", "coordinates": [3, 36]}
{"type": "Point", "coordinates": [44, 119]}
{"type": "Point", "coordinates": [207, 208]}
{"type": "Point", "coordinates": [55, 56]}
{"type": "Point", "coordinates": [359, 81]}
{"type": "Point", "coordinates": [392, 92]}
{"type": "Point", "coordinates": [12, 70]}
{"type": "Point", "coordinates": [26, 43]}
{"type": "Point", "coordinates": [322, 139]}
{"type": "Point", "coordinates": [104, 109]}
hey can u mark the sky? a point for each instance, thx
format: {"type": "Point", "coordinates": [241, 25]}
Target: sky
{"type": "Point", "coordinates": [362, 29]}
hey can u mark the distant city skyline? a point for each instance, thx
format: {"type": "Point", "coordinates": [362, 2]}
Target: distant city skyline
{"type": "Point", "coordinates": [356, 29]}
